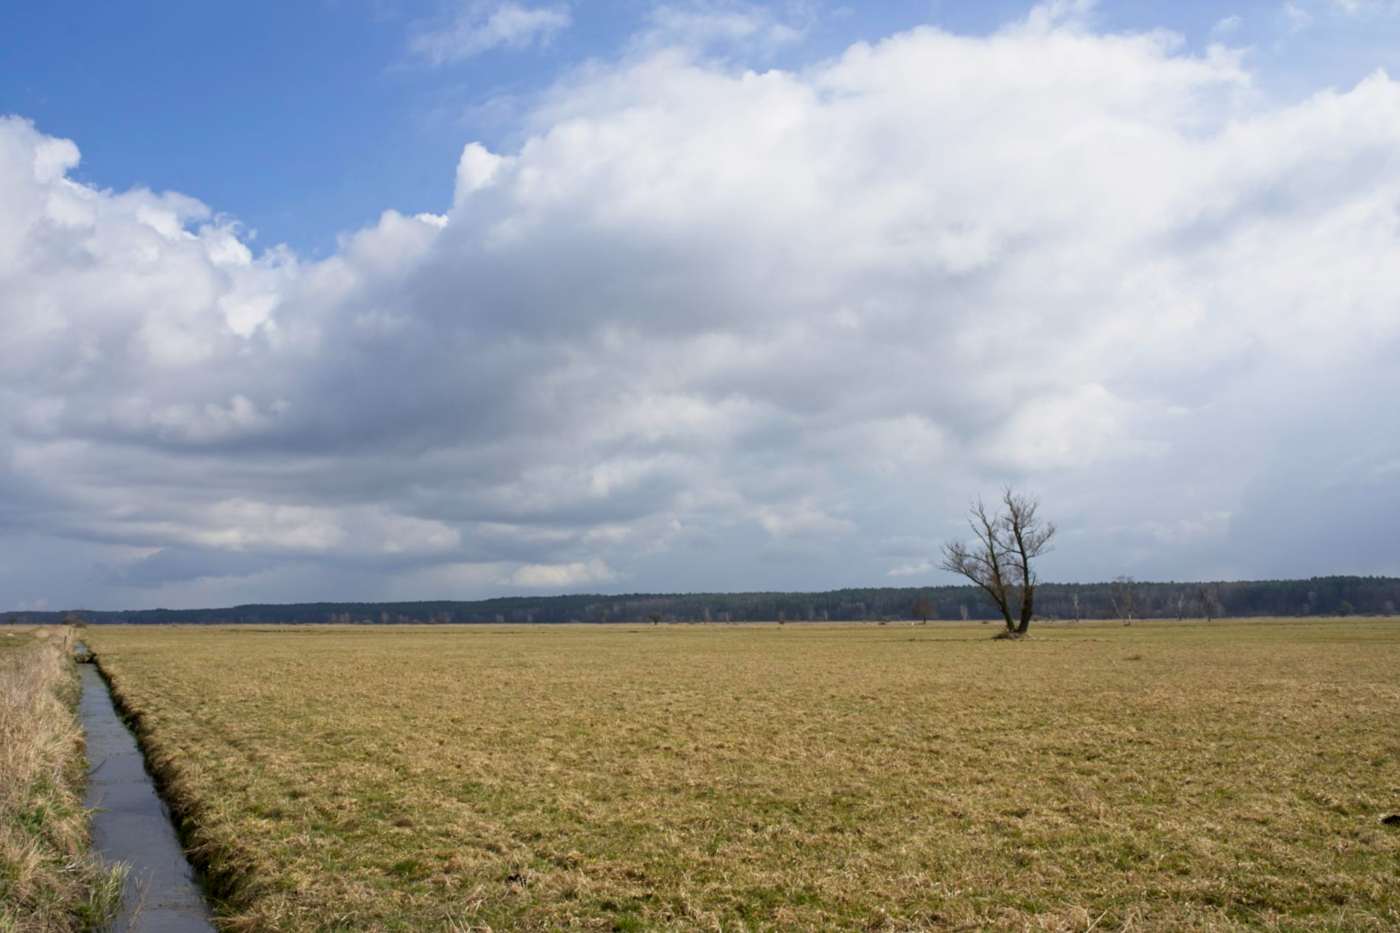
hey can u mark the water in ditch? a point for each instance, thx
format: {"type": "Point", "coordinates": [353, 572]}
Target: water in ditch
{"type": "Point", "coordinates": [131, 824]}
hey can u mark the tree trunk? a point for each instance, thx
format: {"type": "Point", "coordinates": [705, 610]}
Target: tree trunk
{"type": "Point", "coordinates": [1027, 605]}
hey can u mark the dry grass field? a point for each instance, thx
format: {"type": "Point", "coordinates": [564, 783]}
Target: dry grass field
{"type": "Point", "coordinates": [49, 881]}
{"type": "Point", "coordinates": [1163, 776]}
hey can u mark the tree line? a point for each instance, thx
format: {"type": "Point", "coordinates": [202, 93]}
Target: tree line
{"type": "Point", "coordinates": [1316, 596]}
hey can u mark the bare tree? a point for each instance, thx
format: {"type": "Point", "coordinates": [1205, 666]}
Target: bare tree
{"type": "Point", "coordinates": [1074, 601]}
{"type": "Point", "coordinates": [1123, 592]}
{"type": "Point", "coordinates": [999, 558]}
{"type": "Point", "coordinates": [1209, 598]}
{"type": "Point", "coordinates": [923, 608]}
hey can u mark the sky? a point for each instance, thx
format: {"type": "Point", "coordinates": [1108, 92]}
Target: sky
{"type": "Point", "coordinates": [352, 300]}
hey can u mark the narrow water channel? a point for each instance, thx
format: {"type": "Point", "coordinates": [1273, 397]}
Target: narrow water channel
{"type": "Point", "coordinates": [130, 824]}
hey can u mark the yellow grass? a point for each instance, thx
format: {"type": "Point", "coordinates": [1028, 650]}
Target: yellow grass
{"type": "Point", "coordinates": [1163, 776]}
{"type": "Point", "coordinates": [48, 879]}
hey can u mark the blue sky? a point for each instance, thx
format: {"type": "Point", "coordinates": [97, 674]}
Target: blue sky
{"type": "Point", "coordinates": [365, 300]}
{"type": "Point", "coordinates": [307, 119]}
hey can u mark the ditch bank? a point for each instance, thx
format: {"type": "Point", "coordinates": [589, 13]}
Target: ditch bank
{"type": "Point", "coordinates": [131, 823]}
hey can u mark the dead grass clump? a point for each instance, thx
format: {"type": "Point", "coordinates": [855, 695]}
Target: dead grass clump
{"type": "Point", "coordinates": [49, 881]}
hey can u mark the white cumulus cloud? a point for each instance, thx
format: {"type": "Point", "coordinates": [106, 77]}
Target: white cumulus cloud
{"type": "Point", "coordinates": [709, 327]}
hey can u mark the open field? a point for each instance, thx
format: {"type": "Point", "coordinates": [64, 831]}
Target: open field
{"type": "Point", "coordinates": [1163, 776]}
{"type": "Point", "coordinates": [49, 881]}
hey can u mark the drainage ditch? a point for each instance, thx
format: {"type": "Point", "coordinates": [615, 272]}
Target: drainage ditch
{"type": "Point", "coordinates": [131, 824]}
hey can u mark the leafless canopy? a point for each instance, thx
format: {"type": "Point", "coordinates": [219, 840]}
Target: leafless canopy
{"type": "Point", "coordinates": [1124, 596]}
{"type": "Point", "coordinates": [999, 558]}
{"type": "Point", "coordinates": [1208, 596]}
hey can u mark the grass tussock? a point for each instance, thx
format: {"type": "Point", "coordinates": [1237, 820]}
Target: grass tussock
{"type": "Point", "coordinates": [49, 881]}
{"type": "Point", "coordinates": [1160, 777]}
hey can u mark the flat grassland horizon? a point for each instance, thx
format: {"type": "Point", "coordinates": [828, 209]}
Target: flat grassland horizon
{"type": "Point", "coordinates": [815, 776]}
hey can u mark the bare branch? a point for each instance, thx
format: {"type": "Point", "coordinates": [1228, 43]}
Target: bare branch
{"type": "Point", "coordinates": [1028, 538]}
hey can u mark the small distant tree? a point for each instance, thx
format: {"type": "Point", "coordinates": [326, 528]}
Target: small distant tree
{"type": "Point", "coordinates": [1209, 599]}
{"type": "Point", "coordinates": [999, 559]}
{"type": "Point", "coordinates": [923, 608]}
{"type": "Point", "coordinates": [1123, 592]}
{"type": "Point", "coordinates": [655, 618]}
{"type": "Point", "coordinates": [1074, 604]}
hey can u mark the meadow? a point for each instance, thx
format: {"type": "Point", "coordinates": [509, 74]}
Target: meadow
{"type": "Point", "coordinates": [1230, 775]}
{"type": "Point", "coordinates": [49, 879]}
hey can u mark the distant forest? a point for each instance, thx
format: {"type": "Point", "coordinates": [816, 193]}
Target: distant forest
{"type": "Point", "coordinates": [1319, 596]}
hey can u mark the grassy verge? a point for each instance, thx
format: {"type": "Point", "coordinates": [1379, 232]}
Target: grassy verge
{"type": "Point", "coordinates": [1159, 776]}
{"type": "Point", "coordinates": [49, 881]}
